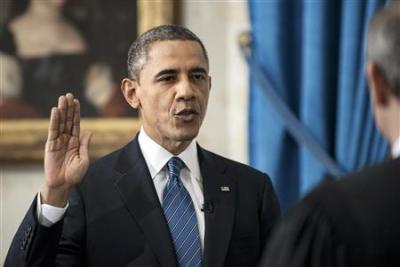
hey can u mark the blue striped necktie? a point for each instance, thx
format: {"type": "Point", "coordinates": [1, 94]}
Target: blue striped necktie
{"type": "Point", "coordinates": [179, 212]}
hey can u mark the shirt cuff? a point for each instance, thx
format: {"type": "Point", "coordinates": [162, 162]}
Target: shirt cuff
{"type": "Point", "coordinates": [49, 215]}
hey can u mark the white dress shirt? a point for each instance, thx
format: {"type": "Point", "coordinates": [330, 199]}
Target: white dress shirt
{"type": "Point", "coordinates": [396, 148]}
{"type": "Point", "coordinates": [156, 158]}
{"type": "Point", "coordinates": [48, 215]}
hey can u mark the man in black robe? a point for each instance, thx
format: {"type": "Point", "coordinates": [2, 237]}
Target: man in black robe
{"type": "Point", "coordinates": [354, 221]}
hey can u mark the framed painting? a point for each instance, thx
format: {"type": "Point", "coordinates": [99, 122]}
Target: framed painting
{"type": "Point", "coordinates": [50, 47]}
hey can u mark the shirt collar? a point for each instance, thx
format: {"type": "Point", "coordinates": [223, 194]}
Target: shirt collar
{"type": "Point", "coordinates": [396, 148]}
{"type": "Point", "coordinates": [156, 156]}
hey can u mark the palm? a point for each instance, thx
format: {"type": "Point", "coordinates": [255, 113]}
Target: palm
{"type": "Point", "coordinates": [66, 154]}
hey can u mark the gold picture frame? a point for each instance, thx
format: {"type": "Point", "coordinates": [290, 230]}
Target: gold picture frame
{"type": "Point", "coordinates": [22, 140]}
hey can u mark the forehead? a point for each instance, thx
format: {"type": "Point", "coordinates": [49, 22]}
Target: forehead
{"type": "Point", "coordinates": [175, 54]}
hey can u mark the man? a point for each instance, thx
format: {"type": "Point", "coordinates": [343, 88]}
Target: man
{"type": "Point", "coordinates": [354, 221]}
{"type": "Point", "coordinates": [161, 200]}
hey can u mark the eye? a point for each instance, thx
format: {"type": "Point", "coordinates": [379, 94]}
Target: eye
{"type": "Point", "coordinates": [167, 78]}
{"type": "Point", "coordinates": [198, 76]}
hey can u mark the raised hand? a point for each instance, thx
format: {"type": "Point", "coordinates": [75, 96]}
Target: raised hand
{"type": "Point", "coordinates": [66, 156]}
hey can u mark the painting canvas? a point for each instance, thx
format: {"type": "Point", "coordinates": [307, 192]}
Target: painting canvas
{"type": "Point", "coordinates": [50, 47]}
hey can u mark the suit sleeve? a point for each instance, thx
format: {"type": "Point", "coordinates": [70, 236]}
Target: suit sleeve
{"type": "Point", "coordinates": [59, 245]}
{"type": "Point", "coordinates": [270, 211]}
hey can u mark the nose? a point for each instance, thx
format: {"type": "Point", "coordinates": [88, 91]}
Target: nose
{"type": "Point", "coordinates": [185, 89]}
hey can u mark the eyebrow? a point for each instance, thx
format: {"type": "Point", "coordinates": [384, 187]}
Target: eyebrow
{"type": "Point", "coordinates": [199, 69]}
{"type": "Point", "coordinates": [165, 72]}
{"type": "Point", "coordinates": [175, 71]}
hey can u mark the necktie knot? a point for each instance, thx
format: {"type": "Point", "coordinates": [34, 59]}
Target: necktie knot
{"type": "Point", "coordinates": [175, 166]}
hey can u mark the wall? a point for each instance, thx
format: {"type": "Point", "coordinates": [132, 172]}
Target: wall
{"type": "Point", "coordinates": [218, 24]}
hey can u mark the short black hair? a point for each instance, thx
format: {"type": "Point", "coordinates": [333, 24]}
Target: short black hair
{"type": "Point", "coordinates": [138, 51]}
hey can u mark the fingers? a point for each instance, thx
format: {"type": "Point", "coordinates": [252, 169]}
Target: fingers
{"type": "Point", "coordinates": [62, 108]}
{"type": "Point", "coordinates": [84, 145]}
{"type": "Point", "coordinates": [70, 113]}
{"type": "Point", "coordinates": [76, 120]}
{"type": "Point", "coordinates": [66, 107]}
{"type": "Point", "coordinates": [53, 131]}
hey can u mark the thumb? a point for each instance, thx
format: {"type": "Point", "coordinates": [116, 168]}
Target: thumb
{"type": "Point", "coordinates": [84, 145]}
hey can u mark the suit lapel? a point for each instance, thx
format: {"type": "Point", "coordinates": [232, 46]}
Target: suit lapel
{"type": "Point", "coordinates": [221, 192]}
{"type": "Point", "coordinates": [137, 190]}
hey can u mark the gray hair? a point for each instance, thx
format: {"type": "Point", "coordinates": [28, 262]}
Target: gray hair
{"type": "Point", "coordinates": [138, 51]}
{"type": "Point", "coordinates": [383, 45]}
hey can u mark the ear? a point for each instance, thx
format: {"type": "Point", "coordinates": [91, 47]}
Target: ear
{"type": "Point", "coordinates": [129, 90]}
{"type": "Point", "coordinates": [209, 86]}
{"type": "Point", "coordinates": [377, 85]}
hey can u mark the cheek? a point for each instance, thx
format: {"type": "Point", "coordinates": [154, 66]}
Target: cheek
{"type": "Point", "coordinates": [161, 106]}
{"type": "Point", "coordinates": [204, 98]}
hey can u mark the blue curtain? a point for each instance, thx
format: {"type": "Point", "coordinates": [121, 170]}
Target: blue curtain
{"type": "Point", "coordinates": [312, 53]}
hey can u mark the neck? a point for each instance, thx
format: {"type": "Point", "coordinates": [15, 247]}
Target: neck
{"type": "Point", "coordinates": [44, 10]}
{"type": "Point", "coordinates": [396, 148]}
{"type": "Point", "coordinates": [394, 125]}
{"type": "Point", "coordinates": [176, 148]}
{"type": "Point", "coordinates": [394, 135]}
{"type": "Point", "coordinates": [173, 146]}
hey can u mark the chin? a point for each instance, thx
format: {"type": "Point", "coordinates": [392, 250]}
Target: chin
{"type": "Point", "coordinates": [186, 134]}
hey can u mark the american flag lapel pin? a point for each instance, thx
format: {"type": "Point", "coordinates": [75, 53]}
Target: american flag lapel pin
{"type": "Point", "coordinates": [225, 189]}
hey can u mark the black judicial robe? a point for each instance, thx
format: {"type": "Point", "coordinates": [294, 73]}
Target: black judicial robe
{"type": "Point", "coordinates": [351, 222]}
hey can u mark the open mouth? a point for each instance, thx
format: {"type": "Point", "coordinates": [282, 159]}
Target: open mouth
{"type": "Point", "coordinates": [187, 114]}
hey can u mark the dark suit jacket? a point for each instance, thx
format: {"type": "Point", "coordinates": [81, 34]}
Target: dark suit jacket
{"type": "Point", "coordinates": [115, 218]}
{"type": "Point", "coordinates": [351, 222]}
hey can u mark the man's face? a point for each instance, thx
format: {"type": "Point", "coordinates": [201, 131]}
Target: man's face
{"type": "Point", "coordinates": [173, 91]}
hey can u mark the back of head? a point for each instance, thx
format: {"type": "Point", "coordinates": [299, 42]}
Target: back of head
{"type": "Point", "coordinates": [138, 51]}
{"type": "Point", "coordinates": [383, 45]}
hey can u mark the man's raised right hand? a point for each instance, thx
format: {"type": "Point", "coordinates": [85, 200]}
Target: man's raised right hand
{"type": "Point", "coordinates": [66, 156]}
